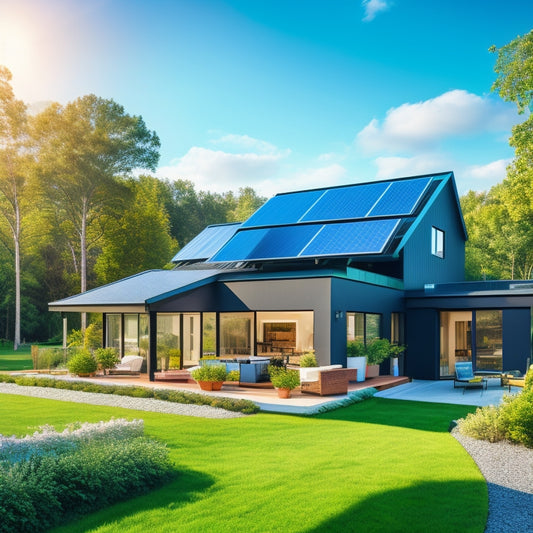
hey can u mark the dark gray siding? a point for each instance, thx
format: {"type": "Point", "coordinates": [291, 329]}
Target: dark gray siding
{"type": "Point", "coordinates": [420, 266]}
{"type": "Point", "coordinates": [422, 339]}
{"type": "Point", "coordinates": [352, 296]}
{"type": "Point", "coordinates": [516, 338]}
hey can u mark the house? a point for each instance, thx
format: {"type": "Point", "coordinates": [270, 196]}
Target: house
{"type": "Point", "coordinates": [315, 268]}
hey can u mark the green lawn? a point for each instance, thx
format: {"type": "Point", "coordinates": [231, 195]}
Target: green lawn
{"type": "Point", "coordinates": [11, 360]}
{"type": "Point", "coordinates": [381, 465]}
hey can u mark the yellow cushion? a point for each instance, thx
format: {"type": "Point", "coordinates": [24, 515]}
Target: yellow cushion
{"type": "Point", "coordinates": [475, 380]}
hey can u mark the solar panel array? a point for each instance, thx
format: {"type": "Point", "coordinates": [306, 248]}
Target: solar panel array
{"type": "Point", "coordinates": [368, 200]}
{"type": "Point", "coordinates": [206, 243]}
{"type": "Point", "coordinates": [332, 222]}
{"type": "Point", "coordinates": [310, 240]}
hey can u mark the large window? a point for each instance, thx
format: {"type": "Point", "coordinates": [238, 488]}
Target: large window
{"type": "Point", "coordinates": [437, 242]}
{"type": "Point", "coordinates": [284, 332]}
{"type": "Point", "coordinates": [489, 340]}
{"type": "Point", "coordinates": [168, 339]}
{"type": "Point", "coordinates": [113, 331]}
{"type": "Point", "coordinates": [363, 326]}
{"type": "Point", "coordinates": [209, 334]}
{"type": "Point", "coordinates": [236, 333]}
{"type": "Point", "coordinates": [475, 336]}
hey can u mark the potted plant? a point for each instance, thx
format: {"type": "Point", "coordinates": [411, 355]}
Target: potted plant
{"type": "Point", "coordinates": [106, 358]}
{"type": "Point", "coordinates": [284, 380]}
{"type": "Point", "coordinates": [174, 359]}
{"type": "Point", "coordinates": [356, 357]}
{"type": "Point", "coordinates": [82, 363]}
{"type": "Point", "coordinates": [376, 352]}
{"type": "Point", "coordinates": [210, 377]}
{"type": "Point", "coordinates": [395, 351]}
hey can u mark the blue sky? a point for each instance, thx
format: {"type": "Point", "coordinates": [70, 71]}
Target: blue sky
{"type": "Point", "coordinates": [283, 95]}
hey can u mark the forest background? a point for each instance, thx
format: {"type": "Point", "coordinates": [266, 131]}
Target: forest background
{"type": "Point", "coordinates": [79, 207]}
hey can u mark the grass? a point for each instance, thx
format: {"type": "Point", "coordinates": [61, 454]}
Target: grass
{"type": "Point", "coordinates": [11, 360]}
{"type": "Point", "coordinates": [378, 466]}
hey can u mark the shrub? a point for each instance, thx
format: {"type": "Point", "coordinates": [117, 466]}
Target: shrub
{"type": "Point", "coordinates": [175, 396]}
{"type": "Point", "coordinates": [108, 462]}
{"type": "Point", "coordinates": [518, 414]}
{"type": "Point", "coordinates": [93, 336]}
{"type": "Point", "coordinates": [82, 362]}
{"type": "Point", "coordinates": [174, 358]}
{"type": "Point", "coordinates": [487, 423]}
{"type": "Point", "coordinates": [308, 360]}
{"type": "Point", "coordinates": [106, 358]}
{"type": "Point", "coordinates": [233, 375]}
{"type": "Point", "coordinates": [283, 378]}
{"type": "Point", "coordinates": [50, 358]}
{"type": "Point", "coordinates": [210, 373]}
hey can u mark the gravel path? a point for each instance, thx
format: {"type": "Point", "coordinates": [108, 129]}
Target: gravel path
{"type": "Point", "coordinates": [508, 470]}
{"type": "Point", "coordinates": [141, 404]}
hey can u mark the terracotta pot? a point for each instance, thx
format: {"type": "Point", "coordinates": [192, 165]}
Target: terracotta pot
{"type": "Point", "coordinates": [210, 385]}
{"type": "Point", "coordinates": [284, 393]}
{"type": "Point", "coordinates": [372, 371]}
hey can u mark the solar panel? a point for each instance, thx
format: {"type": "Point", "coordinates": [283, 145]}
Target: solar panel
{"type": "Point", "coordinates": [363, 237]}
{"type": "Point", "coordinates": [284, 242]}
{"type": "Point", "coordinates": [283, 209]}
{"type": "Point", "coordinates": [400, 198]}
{"type": "Point", "coordinates": [206, 243]}
{"type": "Point", "coordinates": [240, 246]}
{"type": "Point", "coordinates": [346, 202]}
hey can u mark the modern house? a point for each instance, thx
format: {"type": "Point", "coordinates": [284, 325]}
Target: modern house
{"type": "Point", "coordinates": [313, 269]}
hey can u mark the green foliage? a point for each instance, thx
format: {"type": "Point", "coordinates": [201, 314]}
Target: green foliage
{"type": "Point", "coordinates": [284, 378]}
{"type": "Point", "coordinates": [355, 349]}
{"type": "Point", "coordinates": [82, 362]}
{"type": "Point", "coordinates": [308, 360]}
{"type": "Point", "coordinates": [175, 396]}
{"type": "Point", "coordinates": [233, 375]}
{"type": "Point", "coordinates": [50, 358]}
{"type": "Point", "coordinates": [377, 351]}
{"type": "Point", "coordinates": [106, 358]}
{"type": "Point", "coordinates": [93, 336]}
{"type": "Point", "coordinates": [75, 338]}
{"type": "Point", "coordinates": [45, 490]}
{"type": "Point", "coordinates": [210, 373]}
{"type": "Point", "coordinates": [512, 420]}
{"type": "Point", "coordinates": [174, 358]}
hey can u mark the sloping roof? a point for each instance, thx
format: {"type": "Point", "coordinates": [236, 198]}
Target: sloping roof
{"type": "Point", "coordinates": [365, 219]}
{"type": "Point", "coordinates": [135, 292]}
{"type": "Point", "coordinates": [206, 243]}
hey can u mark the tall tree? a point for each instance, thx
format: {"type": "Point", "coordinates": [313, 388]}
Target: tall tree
{"type": "Point", "coordinates": [13, 174]}
{"type": "Point", "coordinates": [514, 83]}
{"type": "Point", "coordinates": [247, 203]}
{"type": "Point", "coordinates": [85, 148]}
{"type": "Point", "coordinates": [140, 238]}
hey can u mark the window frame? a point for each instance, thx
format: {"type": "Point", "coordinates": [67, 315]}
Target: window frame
{"type": "Point", "coordinates": [437, 242]}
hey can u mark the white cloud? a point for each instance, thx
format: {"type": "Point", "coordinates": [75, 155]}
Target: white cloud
{"type": "Point", "coordinates": [218, 171]}
{"type": "Point", "coordinates": [312, 178]}
{"type": "Point", "coordinates": [483, 177]}
{"type": "Point", "coordinates": [373, 7]}
{"type": "Point", "coordinates": [419, 126]}
{"type": "Point", "coordinates": [393, 167]}
{"type": "Point", "coordinates": [245, 142]}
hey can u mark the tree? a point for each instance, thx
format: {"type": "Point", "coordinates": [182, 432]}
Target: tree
{"type": "Point", "coordinates": [140, 238]}
{"type": "Point", "coordinates": [247, 203]}
{"type": "Point", "coordinates": [85, 148]}
{"type": "Point", "coordinates": [14, 163]}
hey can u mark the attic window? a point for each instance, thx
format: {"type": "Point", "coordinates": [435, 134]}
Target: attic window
{"type": "Point", "coordinates": [437, 242]}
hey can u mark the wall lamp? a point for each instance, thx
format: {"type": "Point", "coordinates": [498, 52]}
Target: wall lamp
{"type": "Point", "coordinates": [339, 314]}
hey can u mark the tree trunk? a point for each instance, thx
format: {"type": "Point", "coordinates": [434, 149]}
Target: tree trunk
{"type": "Point", "coordinates": [16, 235]}
{"type": "Point", "coordinates": [83, 265]}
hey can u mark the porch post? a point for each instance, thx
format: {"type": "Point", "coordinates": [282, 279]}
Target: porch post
{"type": "Point", "coordinates": [152, 358]}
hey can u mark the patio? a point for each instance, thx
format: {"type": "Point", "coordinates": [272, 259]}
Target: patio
{"type": "Point", "coordinates": [399, 388]}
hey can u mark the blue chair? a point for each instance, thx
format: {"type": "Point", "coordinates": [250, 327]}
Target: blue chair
{"type": "Point", "coordinates": [465, 377]}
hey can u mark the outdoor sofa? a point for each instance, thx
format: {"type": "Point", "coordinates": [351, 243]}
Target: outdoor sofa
{"type": "Point", "coordinates": [129, 364]}
{"type": "Point", "coordinates": [326, 380]}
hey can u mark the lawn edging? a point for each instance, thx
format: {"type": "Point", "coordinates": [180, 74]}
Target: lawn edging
{"type": "Point", "coordinates": [176, 396]}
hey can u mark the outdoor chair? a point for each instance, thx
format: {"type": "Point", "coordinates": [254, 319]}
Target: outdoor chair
{"type": "Point", "coordinates": [130, 364]}
{"type": "Point", "coordinates": [465, 377]}
{"type": "Point", "coordinates": [514, 378]}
